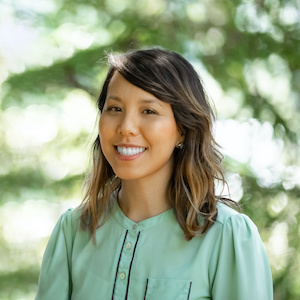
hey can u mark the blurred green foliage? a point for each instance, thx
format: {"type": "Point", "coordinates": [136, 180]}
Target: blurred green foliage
{"type": "Point", "coordinates": [51, 80]}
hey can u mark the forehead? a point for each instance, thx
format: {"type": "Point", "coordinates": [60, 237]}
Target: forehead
{"type": "Point", "coordinates": [119, 87]}
{"type": "Point", "coordinates": [116, 81]}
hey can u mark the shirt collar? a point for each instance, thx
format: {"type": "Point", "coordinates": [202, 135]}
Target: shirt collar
{"type": "Point", "coordinates": [126, 223]}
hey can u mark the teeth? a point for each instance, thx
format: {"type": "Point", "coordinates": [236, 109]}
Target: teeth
{"type": "Point", "coordinates": [130, 151]}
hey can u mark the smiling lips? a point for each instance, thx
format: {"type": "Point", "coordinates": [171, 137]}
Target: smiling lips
{"type": "Point", "coordinates": [130, 151]}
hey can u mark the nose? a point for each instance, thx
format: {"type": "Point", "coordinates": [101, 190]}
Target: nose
{"type": "Point", "coordinates": [128, 125]}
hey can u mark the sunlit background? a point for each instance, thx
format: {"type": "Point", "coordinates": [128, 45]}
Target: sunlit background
{"type": "Point", "coordinates": [51, 69]}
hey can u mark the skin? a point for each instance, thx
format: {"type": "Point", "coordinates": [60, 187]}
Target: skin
{"type": "Point", "coordinates": [133, 117]}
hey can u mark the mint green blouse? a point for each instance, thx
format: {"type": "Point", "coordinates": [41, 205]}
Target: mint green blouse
{"type": "Point", "coordinates": [152, 260]}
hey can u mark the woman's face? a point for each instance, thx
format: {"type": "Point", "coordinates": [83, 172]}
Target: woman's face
{"type": "Point", "coordinates": [137, 131]}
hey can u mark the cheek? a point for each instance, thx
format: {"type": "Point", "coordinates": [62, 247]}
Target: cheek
{"type": "Point", "coordinates": [104, 136]}
{"type": "Point", "coordinates": [104, 132]}
{"type": "Point", "coordinates": [104, 125]}
{"type": "Point", "coordinates": [166, 132]}
{"type": "Point", "coordinates": [100, 130]}
{"type": "Point", "coordinates": [100, 126]}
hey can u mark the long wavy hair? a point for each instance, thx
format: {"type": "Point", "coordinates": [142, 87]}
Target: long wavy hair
{"type": "Point", "coordinates": [191, 189]}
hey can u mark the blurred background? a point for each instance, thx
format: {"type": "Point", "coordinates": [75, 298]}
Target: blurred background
{"type": "Point", "coordinates": [52, 65]}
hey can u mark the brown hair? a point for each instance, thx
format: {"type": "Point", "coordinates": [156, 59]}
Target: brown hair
{"type": "Point", "coordinates": [191, 191]}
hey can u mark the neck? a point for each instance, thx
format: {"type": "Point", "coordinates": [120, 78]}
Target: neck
{"type": "Point", "coordinates": [140, 200]}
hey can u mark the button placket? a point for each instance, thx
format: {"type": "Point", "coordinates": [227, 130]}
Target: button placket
{"type": "Point", "coordinates": [125, 261]}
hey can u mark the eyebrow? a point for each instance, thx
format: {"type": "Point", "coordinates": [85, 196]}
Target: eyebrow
{"type": "Point", "coordinates": [152, 101]}
{"type": "Point", "coordinates": [147, 101]}
{"type": "Point", "coordinates": [114, 98]}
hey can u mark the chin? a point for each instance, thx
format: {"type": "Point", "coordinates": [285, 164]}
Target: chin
{"type": "Point", "coordinates": [125, 175]}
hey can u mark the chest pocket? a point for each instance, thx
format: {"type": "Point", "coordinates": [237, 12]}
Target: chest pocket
{"type": "Point", "coordinates": [167, 289]}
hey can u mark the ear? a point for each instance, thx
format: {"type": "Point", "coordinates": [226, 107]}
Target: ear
{"type": "Point", "coordinates": [181, 138]}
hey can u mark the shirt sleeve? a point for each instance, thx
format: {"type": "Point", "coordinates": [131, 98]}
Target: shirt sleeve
{"type": "Point", "coordinates": [55, 276]}
{"type": "Point", "coordinates": [239, 267]}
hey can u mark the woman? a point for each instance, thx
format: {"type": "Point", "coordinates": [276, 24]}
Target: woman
{"type": "Point", "coordinates": [150, 225]}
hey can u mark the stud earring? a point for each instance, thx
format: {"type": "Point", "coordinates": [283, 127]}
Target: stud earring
{"type": "Point", "coordinates": [179, 146]}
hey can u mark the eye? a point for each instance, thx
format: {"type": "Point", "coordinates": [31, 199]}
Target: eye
{"type": "Point", "coordinates": [114, 108]}
{"type": "Point", "coordinates": [149, 112]}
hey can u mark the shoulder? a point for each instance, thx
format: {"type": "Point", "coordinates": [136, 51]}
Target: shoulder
{"type": "Point", "coordinates": [73, 214]}
{"type": "Point", "coordinates": [236, 236]}
{"type": "Point", "coordinates": [227, 215]}
{"type": "Point", "coordinates": [70, 219]}
{"type": "Point", "coordinates": [231, 227]}
{"type": "Point", "coordinates": [238, 249]}
{"type": "Point", "coordinates": [231, 224]}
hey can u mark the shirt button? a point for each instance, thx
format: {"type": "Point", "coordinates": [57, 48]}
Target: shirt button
{"type": "Point", "coordinates": [134, 226]}
{"type": "Point", "coordinates": [122, 275]}
{"type": "Point", "coordinates": [128, 246]}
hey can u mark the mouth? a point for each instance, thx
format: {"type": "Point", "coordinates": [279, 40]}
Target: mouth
{"type": "Point", "coordinates": [129, 151]}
